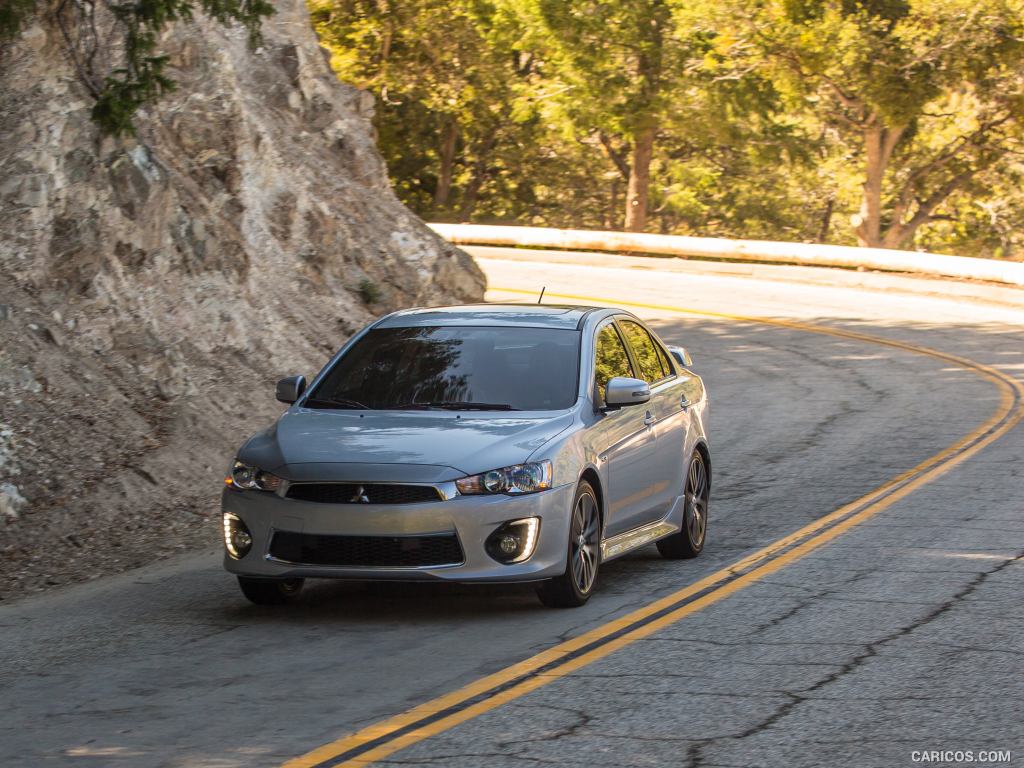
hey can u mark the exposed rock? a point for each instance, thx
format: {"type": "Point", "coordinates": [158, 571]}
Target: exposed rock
{"type": "Point", "coordinates": [154, 288]}
{"type": "Point", "coordinates": [11, 501]}
{"type": "Point", "coordinates": [8, 460]}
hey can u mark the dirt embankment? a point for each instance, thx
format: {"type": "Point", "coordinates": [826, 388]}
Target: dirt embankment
{"type": "Point", "coordinates": [153, 289]}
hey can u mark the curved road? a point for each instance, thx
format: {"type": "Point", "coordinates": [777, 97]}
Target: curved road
{"type": "Point", "coordinates": [900, 635]}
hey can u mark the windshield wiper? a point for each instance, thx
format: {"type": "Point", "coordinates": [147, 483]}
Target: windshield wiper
{"type": "Point", "coordinates": [457, 405]}
{"type": "Point", "coordinates": [327, 402]}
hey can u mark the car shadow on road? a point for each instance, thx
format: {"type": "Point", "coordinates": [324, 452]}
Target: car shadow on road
{"type": "Point", "coordinates": [372, 602]}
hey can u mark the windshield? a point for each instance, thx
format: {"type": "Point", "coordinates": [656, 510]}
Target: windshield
{"type": "Point", "coordinates": [455, 368]}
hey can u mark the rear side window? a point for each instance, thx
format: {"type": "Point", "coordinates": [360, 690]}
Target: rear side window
{"type": "Point", "coordinates": [653, 364]}
{"type": "Point", "coordinates": [610, 358]}
{"type": "Point", "coordinates": [666, 364]}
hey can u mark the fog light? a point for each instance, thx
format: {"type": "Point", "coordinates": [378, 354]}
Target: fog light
{"type": "Point", "coordinates": [514, 541]}
{"type": "Point", "coordinates": [237, 539]}
{"type": "Point", "coordinates": [241, 540]}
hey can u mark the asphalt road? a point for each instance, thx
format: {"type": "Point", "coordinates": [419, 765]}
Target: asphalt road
{"type": "Point", "coordinates": [901, 635]}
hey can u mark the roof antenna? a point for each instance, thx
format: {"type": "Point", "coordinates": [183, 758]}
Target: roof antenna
{"type": "Point", "coordinates": [541, 297]}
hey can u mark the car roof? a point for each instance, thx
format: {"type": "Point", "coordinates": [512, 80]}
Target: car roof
{"type": "Point", "coordinates": [515, 315]}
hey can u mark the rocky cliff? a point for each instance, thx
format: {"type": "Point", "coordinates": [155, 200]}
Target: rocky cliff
{"type": "Point", "coordinates": [153, 289]}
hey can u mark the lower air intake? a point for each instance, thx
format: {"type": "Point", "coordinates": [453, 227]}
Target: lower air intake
{"type": "Point", "coordinates": [367, 551]}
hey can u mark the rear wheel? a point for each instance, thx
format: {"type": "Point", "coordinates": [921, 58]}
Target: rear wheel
{"type": "Point", "coordinates": [574, 587]}
{"type": "Point", "coordinates": [690, 540]}
{"type": "Point", "coordinates": [270, 591]}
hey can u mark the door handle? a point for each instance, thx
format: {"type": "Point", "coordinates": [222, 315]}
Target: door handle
{"type": "Point", "coordinates": [649, 419]}
{"type": "Point", "coordinates": [684, 403]}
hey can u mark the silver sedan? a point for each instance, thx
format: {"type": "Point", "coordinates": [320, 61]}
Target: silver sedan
{"type": "Point", "coordinates": [493, 442]}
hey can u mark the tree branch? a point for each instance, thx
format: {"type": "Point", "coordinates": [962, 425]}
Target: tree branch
{"type": "Point", "coordinates": [925, 208]}
{"type": "Point", "coordinates": [86, 75]}
{"type": "Point", "coordinates": [614, 155]}
{"type": "Point", "coordinates": [850, 103]}
{"type": "Point", "coordinates": [942, 158]}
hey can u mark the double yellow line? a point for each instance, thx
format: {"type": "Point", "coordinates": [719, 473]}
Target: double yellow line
{"type": "Point", "coordinates": [381, 739]}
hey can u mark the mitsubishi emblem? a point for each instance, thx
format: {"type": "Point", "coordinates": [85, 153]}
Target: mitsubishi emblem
{"type": "Point", "coordinates": [359, 497]}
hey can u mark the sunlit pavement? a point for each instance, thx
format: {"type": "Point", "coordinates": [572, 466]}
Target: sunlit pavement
{"type": "Point", "coordinates": [900, 636]}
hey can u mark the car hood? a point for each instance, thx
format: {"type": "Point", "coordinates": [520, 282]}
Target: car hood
{"type": "Point", "coordinates": [428, 446]}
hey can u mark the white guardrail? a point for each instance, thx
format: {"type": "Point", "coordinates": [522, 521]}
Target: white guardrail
{"type": "Point", "coordinates": [883, 259]}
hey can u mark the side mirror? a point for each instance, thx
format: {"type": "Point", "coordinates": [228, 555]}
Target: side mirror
{"type": "Point", "coordinates": [681, 355]}
{"type": "Point", "coordinates": [622, 391]}
{"type": "Point", "coordinates": [289, 390]}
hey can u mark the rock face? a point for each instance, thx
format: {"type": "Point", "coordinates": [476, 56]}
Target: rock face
{"type": "Point", "coordinates": [152, 289]}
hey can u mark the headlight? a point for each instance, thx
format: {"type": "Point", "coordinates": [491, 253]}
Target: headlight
{"type": "Point", "coordinates": [519, 478]}
{"type": "Point", "coordinates": [247, 478]}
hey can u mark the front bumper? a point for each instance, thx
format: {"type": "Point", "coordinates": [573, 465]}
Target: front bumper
{"type": "Point", "coordinates": [471, 518]}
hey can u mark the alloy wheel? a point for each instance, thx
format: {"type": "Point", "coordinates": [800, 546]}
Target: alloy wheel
{"type": "Point", "coordinates": [697, 499]}
{"type": "Point", "coordinates": [585, 533]}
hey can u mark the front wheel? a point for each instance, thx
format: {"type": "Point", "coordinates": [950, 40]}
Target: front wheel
{"type": "Point", "coordinates": [270, 591]}
{"type": "Point", "coordinates": [689, 542]}
{"type": "Point", "coordinates": [574, 587]}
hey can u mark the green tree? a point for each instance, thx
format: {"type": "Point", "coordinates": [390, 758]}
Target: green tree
{"type": "Point", "coordinates": [445, 78]}
{"type": "Point", "coordinates": [651, 87]}
{"type": "Point", "coordinates": [123, 70]}
{"type": "Point", "coordinates": [782, 119]}
{"type": "Point", "coordinates": [613, 66]}
{"type": "Point", "coordinates": [926, 95]}
{"type": "Point", "coordinates": [733, 161]}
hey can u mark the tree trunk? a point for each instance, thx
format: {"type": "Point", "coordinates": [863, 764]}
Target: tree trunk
{"type": "Point", "coordinates": [481, 170]}
{"type": "Point", "coordinates": [639, 179]}
{"type": "Point", "coordinates": [469, 199]}
{"type": "Point", "coordinates": [615, 155]}
{"type": "Point", "coordinates": [384, 11]}
{"type": "Point", "coordinates": [898, 234]}
{"type": "Point", "coordinates": [870, 225]}
{"type": "Point", "coordinates": [612, 214]}
{"type": "Point", "coordinates": [826, 219]}
{"type": "Point", "coordinates": [449, 135]}
{"type": "Point", "coordinates": [879, 142]}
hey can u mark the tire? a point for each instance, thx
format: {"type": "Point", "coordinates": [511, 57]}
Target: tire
{"type": "Point", "coordinates": [574, 587]}
{"type": "Point", "coordinates": [270, 591]}
{"type": "Point", "coordinates": [689, 542]}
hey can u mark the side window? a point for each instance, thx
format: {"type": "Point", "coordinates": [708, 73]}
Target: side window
{"type": "Point", "coordinates": [666, 364]}
{"type": "Point", "coordinates": [653, 366]}
{"type": "Point", "coordinates": [610, 358]}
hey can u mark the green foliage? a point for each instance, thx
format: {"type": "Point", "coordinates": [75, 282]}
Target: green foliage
{"type": "Point", "coordinates": [142, 78]}
{"type": "Point", "coordinates": [126, 89]}
{"type": "Point", "coordinates": [447, 80]}
{"type": "Point", "coordinates": [614, 61]}
{"type": "Point", "coordinates": [137, 75]}
{"type": "Point", "coordinates": [369, 292]}
{"type": "Point", "coordinates": [886, 122]}
{"type": "Point", "coordinates": [923, 96]}
{"type": "Point", "coordinates": [13, 15]}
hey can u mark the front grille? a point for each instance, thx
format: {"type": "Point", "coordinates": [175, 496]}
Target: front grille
{"type": "Point", "coordinates": [366, 551]}
{"type": "Point", "coordinates": [371, 493]}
